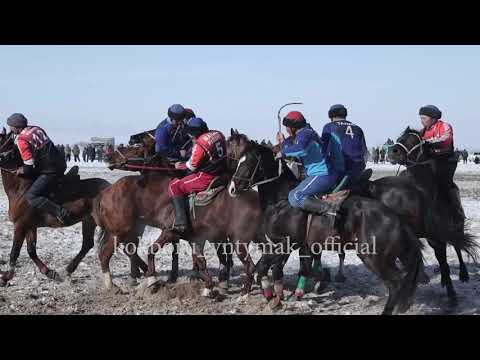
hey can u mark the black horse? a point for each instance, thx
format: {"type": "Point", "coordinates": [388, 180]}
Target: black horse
{"type": "Point", "coordinates": [414, 195]}
{"type": "Point", "coordinates": [362, 223]}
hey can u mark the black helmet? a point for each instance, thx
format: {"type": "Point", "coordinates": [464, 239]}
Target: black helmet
{"type": "Point", "coordinates": [430, 110]}
{"type": "Point", "coordinates": [196, 127]}
{"type": "Point", "coordinates": [176, 112]}
{"type": "Point", "coordinates": [17, 120]}
{"type": "Point", "coordinates": [337, 110]}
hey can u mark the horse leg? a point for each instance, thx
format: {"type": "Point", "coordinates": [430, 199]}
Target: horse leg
{"type": "Point", "coordinates": [226, 264]}
{"type": "Point", "coordinates": [173, 276]}
{"type": "Point", "coordinates": [88, 234]}
{"type": "Point", "coordinates": [18, 238]}
{"type": "Point", "coordinates": [340, 277]}
{"type": "Point", "coordinates": [441, 255]}
{"type": "Point", "coordinates": [32, 252]}
{"type": "Point", "coordinates": [242, 253]}
{"type": "Point", "coordinates": [464, 277]}
{"type": "Point", "coordinates": [105, 254]}
{"type": "Point", "coordinates": [304, 273]}
{"type": "Point", "coordinates": [262, 267]}
{"type": "Point", "coordinates": [386, 269]}
{"type": "Point", "coordinates": [277, 274]}
{"type": "Point", "coordinates": [199, 258]}
{"type": "Point", "coordinates": [321, 276]}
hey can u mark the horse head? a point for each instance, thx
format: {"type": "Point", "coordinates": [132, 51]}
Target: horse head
{"type": "Point", "coordinates": [256, 163]}
{"type": "Point", "coordinates": [409, 148]}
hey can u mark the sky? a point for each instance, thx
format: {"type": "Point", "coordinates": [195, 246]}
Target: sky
{"type": "Point", "coordinates": [76, 92]}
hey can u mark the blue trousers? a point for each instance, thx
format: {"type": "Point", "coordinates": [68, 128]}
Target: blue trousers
{"type": "Point", "coordinates": [312, 185]}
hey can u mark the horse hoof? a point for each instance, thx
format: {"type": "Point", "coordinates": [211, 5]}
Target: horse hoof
{"type": "Point", "coordinates": [464, 277]}
{"type": "Point", "coordinates": [452, 301]}
{"type": "Point", "coordinates": [276, 303]}
{"type": "Point", "coordinates": [423, 279]}
{"type": "Point", "coordinates": [299, 293]}
{"type": "Point", "coordinates": [206, 293]}
{"type": "Point", "coordinates": [55, 276]}
{"type": "Point", "coordinates": [320, 286]}
{"type": "Point", "coordinates": [115, 290]}
{"type": "Point", "coordinates": [340, 278]}
{"type": "Point", "coordinates": [172, 279]}
{"type": "Point", "coordinates": [152, 281]}
{"type": "Point", "coordinates": [131, 281]}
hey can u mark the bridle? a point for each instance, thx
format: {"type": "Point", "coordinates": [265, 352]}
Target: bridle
{"type": "Point", "coordinates": [420, 144]}
{"type": "Point", "coordinates": [5, 154]}
{"type": "Point", "coordinates": [258, 166]}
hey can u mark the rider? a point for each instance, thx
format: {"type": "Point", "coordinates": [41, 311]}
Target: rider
{"type": "Point", "coordinates": [439, 135]}
{"type": "Point", "coordinates": [43, 163]}
{"type": "Point", "coordinates": [344, 144]}
{"type": "Point", "coordinates": [208, 161]}
{"type": "Point", "coordinates": [170, 139]}
{"type": "Point", "coordinates": [305, 144]}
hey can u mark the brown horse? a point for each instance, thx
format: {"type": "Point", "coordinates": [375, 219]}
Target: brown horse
{"type": "Point", "coordinates": [76, 195]}
{"type": "Point", "coordinates": [145, 197]}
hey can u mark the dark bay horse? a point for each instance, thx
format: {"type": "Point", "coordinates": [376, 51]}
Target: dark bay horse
{"type": "Point", "coordinates": [145, 197]}
{"type": "Point", "coordinates": [363, 222]}
{"type": "Point", "coordinates": [415, 195]}
{"type": "Point", "coordinates": [77, 196]}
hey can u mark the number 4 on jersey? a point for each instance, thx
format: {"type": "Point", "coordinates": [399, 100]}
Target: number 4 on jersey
{"type": "Point", "coordinates": [349, 131]}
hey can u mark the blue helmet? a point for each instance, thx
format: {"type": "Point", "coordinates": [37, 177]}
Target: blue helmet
{"type": "Point", "coordinates": [196, 126]}
{"type": "Point", "coordinates": [176, 112]}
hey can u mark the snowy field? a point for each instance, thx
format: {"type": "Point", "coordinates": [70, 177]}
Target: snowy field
{"type": "Point", "coordinates": [30, 292]}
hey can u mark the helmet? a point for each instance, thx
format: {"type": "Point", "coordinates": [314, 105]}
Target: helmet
{"type": "Point", "coordinates": [337, 110]}
{"type": "Point", "coordinates": [189, 114]}
{"type": "Point", "coordinates": [294, 119]}
{"type": "Point", "coordinates": [17, 120]}
{"type": "Point", "coordinates": [176, 112]}
{"type": "Point", "coordinates": [430, 110]}
{"type": "Point", "coordinates": [196, 127]}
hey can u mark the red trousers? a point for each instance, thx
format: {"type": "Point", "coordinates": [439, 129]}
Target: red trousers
{"type": "Point", "coordinates": [192, 183]}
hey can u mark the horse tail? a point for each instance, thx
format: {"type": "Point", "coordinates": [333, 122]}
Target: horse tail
{"type": "Point", "coordinates": [462, 240]}
{"type": "Point", "coordinates": [414, 263]}
{"type": "Point", "coordinates": [467, 242]}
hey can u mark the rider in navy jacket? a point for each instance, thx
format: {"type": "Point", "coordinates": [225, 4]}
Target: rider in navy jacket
{"type": "Point", "coordinates": [170, 139]}
{"type": "Point", "coordinates": [344, 143]}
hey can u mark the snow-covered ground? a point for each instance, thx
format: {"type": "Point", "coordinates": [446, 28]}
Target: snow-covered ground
{"type": "Point", "coordinates": [31, 292]}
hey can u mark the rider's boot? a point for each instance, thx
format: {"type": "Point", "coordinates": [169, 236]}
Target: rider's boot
{"type": "Point", "coordinates": [457, 209]}
{"type": "Point", "coordinates": [181, 218]}
{"type": "Point", "coordinates": [318, 206]}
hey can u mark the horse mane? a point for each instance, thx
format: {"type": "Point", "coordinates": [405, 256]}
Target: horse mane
{"type": "Point", "coordinates": [409, 130]}
{"type": "Point", "coordinates": [238, 137]}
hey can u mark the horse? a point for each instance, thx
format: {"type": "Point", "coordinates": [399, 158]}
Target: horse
{"type": "Point", "coordinates": [74, 194]}
{"type": "Point", "coordinates": [426, 207]}
{"type": "Point", "coordinates": [145, 197]}
{"type": "Point", "coordinates": [362, 221]}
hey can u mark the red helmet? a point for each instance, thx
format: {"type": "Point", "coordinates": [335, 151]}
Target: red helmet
{"type": "Point", "coordinates": [294, 119]}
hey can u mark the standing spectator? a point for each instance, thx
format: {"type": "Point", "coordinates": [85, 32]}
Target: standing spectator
{"type": "Point", "coordinates": [91, 153]}
{"type": "Point", "coordinates": [76, 153]}
{"type": "Point", "coordinates": [376, 155]}
{"type": "Point", "coordinates": [382, 155]}
{"type": "Point", "coordinates": [85, 154]}
{"type": "Point", "coordinates": [465, 156]}
{"type": "Point", "coordinates": [100, 153]}
{"type": "Point", "coordinates": [477, 160]}
{"type": "Point", "coordinates": [61, 148]}
{"type": "Point", "coordinates": [68, 153]}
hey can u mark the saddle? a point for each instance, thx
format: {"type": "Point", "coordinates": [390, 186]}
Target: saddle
{"type": "Point", "coordinates": [68, 186]}
{"type": "Point", "coordinates": [338, 195]}
{"type": "Point", "coordinates": [206, 197]}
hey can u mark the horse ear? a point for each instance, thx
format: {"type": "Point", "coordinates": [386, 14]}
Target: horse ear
{"type": "Point", "coordinates": [232, 132]}
{"type": "Point", "coordinates": [4, 131]}
{"type": "Point", "coordinates": [236, 131]}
